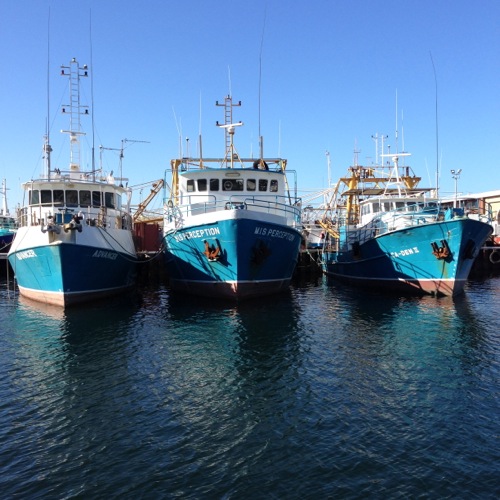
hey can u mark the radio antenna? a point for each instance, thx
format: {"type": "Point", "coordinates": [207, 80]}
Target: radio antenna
{"type": "Point", "coordinates": [437, 133]}
{"type": "Point", "coordinates": [260, 82]}
{"type": "Point", "coordinates": [46, 147]}
{"type": "Point", "coordinates": [92, 99]}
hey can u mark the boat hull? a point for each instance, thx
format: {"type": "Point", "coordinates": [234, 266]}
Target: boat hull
{"type": "Point", "coordinates": [6, 238]}
{"type": "Point", "coordinates": [431, 259]}
{"type": "Point", "coordinates": [65, 273]}
{"type": "Point", "coordinates": [235, 258]}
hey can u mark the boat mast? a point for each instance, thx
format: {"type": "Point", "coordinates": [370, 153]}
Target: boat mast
{"type": "Point", "coordinates": [46, 145]}
{"type": "Point", "coordinates": [74, 109]}
{"type": "Point", "coordinates": [229, 128]}
{"type": "Point", "coordinates": [5, 209]}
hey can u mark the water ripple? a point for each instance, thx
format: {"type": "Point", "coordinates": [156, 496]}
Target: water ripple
{"type": "Point", "coordinates": [322, 392]}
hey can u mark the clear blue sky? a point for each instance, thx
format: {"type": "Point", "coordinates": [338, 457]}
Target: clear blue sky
{"type": "Point", "coordinates": [330, 73]}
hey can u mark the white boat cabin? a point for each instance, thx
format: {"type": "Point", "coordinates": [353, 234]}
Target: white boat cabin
{"type": "Point", "coordinates": [398, 212]}
{"type": "Point", "coordinates": [96, 203]}
{"type": "Point", "coordinates": [205, 190]}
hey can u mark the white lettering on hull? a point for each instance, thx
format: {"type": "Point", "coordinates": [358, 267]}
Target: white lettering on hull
{"type": "Point", "coordinates": [26, 254]}
{"type": "Point", "coordinates": [198, 233]}
{"type": "Point", "coordinates": [405, 252]}
{"type": "Point", "coordinates": [274, 233]}
{"type": "Point", "coordinates": [104, 254]}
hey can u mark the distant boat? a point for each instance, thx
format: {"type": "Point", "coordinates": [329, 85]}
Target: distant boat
{"type": "Point", "coordinates": [386, 233]}
{"type": "Point", "coordinates": [313, 233]}
{"type": "Point", "coordinates": [74, 241]}
{"type": "Point", "coordinates": [232, 224]}
{"type": "Point", "coordinates": [8, 225]}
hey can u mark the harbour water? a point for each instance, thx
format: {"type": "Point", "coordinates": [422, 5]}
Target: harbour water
{"type": "Point", "coordinates": [323, 392]}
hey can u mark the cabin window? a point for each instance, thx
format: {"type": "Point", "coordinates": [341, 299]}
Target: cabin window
{"type": "Point", "coordinates": [96, 199]}
{"type": "Point", "coordinates": [34, 197]}
{"type": "Point", "coordinates": [232, 185]}
{"type": "Point", "coordinates": [262, 184]}
{"type": "Point", "coordinates": [376, 208]}
{"type": "Point", "coordinates": [58, 197]}
{"type": "Point", "coordinates": [400, 205]}
{"type": "Point", "coordinates": [109, 199]}
{"type": "Point", "coordinates": [251, 185]}
{"type": "Point", "coordinates": [387, 206]}
{"type": "Point", "coordinates": [190, 185]}
{"type": "Point", "coordinates": [214, 184]}
{"type": "Point", "coordinates": [71, 198]}
{"type": "Point", "coordinates": [46, 196]}
{"type": "Point", "coordinates": [274, 186]}
{"type": "Point", "coordinates": [202, 184]}
{"type": "Point", "coordinates": [85, 198]}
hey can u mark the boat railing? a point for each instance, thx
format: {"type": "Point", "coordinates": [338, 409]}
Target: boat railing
{"type": "Point", "coordinates": [197, 205]}
{"type": "Point", "coordinates": [276, 204]}
{"type": "Point", "coordinates": [43, 214]}
{"type": "Point", "coordinates": [9, 223]}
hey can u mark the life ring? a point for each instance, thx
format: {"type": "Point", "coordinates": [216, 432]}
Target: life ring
{"type": "Point", "coordinates": [495, 257]}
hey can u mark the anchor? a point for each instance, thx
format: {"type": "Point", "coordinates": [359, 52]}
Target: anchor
{"type": "Point", "coordinates": [211, 252]}
{"type": "Point", "coordinates": [441, 252]}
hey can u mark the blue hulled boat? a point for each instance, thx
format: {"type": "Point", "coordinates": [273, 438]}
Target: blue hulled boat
{"type": "Point", "coordinates": [386, 233]}
{"type": "Point", "coordinates": [74, 241]}
{"type": "Point", "coordinates": [231, 225]}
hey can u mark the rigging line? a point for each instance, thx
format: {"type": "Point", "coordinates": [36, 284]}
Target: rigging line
{"type": "Point", "coordinates": [125, 251]}
{"type": "Point", "coordinates": [156, 255]}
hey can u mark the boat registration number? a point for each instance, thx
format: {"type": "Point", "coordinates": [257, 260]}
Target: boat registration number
{"type": "Point", "coordinates": [274, 233]}
{"type": "Point", "coordinates": [26, 254]}
{"type": "Point", "coordinates": [404, 252]}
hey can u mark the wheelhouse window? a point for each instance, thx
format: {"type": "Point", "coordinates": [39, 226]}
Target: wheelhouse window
{"type": "Point", "coordinates": [214, 184]}
{"type": "Point", "coordinates": [58, 197]}
{"type": "Point", "coordinates": [109, 199]}
{"type": "Point", "coordinates": [274, 186]}
{"type": "Point", "coordinates": [46, 197]}
{"type": "Point", "coordinates": [96, 199]}
{"type": "Point", "coordinates": [85, 198]}
{"type": "Point", "coordinates": [34, 197]}
{"type": "Point", "coordinates": [232, 185]}
{"type": "Point", "coordinates": [190, 185]}
{"type": "Point", "coordinates": [71, 198]}
{"type": "Point", "coordinates": [251, 185]}
{"type": "Point", "coordinates": [262, 184]}
{"type": "Point", "coordinates": [202, 184]}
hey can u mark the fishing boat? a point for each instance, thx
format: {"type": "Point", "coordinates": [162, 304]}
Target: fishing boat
{"type": "Point", "coordinates": [8, 224]}
{"type": "Point", "coordinates": [74, 241]}
{"type": "Point", "coordinates": [231, 224]}
{"type": "Point", "coordinates": [385, 232]}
